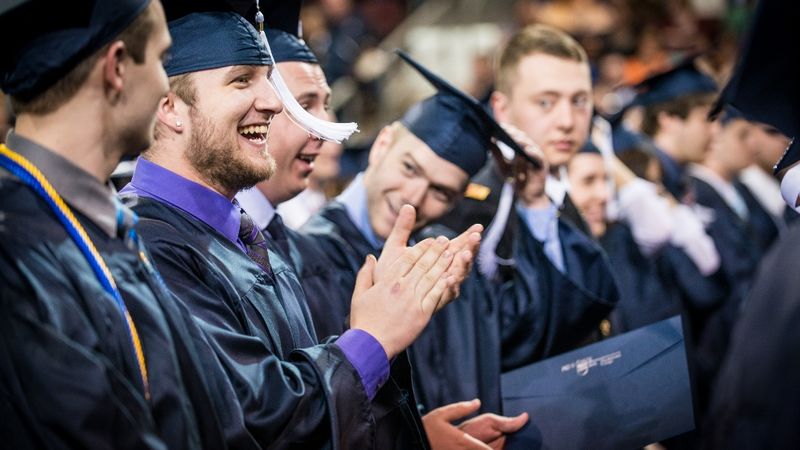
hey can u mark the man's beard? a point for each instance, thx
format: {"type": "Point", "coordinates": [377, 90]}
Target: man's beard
{"type": "Point", "coordinates": [220, 161]}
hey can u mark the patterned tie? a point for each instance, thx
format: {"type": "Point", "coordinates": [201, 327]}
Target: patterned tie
{"type": "Point", "coordinates": [277, 234]}
{"type": "Point", "coordinates": [254, 242]}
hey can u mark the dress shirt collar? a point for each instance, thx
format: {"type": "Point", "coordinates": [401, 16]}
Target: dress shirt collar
{"type": "Point", "coordinates": [208, 206]}
{"type": "Point", "coordinates": [556, 188]}
{"type": "Point", "coordinates": [354, 199]}
{"type": "Point", "coordinates": [257, 206]}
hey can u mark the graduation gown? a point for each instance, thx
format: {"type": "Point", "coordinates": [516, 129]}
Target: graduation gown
{"type": "Point", "coordinates": [756, 396]}
{"type": "Point", "coordinates": [741, 245]}
{"type": "Point", "coordinates": [462, 351]}
{"type": "Point", "coordinates": [568, 307]}
{"type": "Point", "coordinates": [295, 393]}
{"type": "Point", "coordinates": [68, 375]}
{"type": "Point", "coordinates": [646, 295]}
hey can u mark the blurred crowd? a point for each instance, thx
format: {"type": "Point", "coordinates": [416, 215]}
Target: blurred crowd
{"type": "Point", "coordinates": [626, 40]}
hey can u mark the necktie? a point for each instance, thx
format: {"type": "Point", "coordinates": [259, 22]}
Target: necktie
{"type": "Point", "coordinates": [277, 234]}
{"type": "Point", "coordinates": [254, 242]}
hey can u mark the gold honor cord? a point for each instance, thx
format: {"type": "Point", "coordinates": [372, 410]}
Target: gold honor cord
{"type": "Point", "coordinates": [33, 177]}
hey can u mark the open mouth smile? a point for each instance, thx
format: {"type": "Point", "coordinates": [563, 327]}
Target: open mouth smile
{"type": "Point", "coordinates": [256, 134]}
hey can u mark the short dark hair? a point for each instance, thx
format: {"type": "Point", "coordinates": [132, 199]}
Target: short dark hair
{"type": "Point", "coordinates": [679, 106]}
{"type": "Point", "coordinates": [135, 37]}
{"type": "Point", "coordinates": [535, 39]}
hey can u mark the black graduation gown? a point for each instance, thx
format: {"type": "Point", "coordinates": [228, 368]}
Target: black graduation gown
{"type": "Point", "coordinates": [646, 295]}
{"type": "Point", "coordinates": [660, 286]}
{"type": "Point", "coordinates": [462, 352]}
{"type": "Point", "coordinates": [568, 306]}
{"type": "Point", "coordinates": [756, 398]}
{"type": "Point", "coordinates": [295, 394]}
{"type": "Point", "coordinates": [68, 375]}
{"type": "Point", "coordinates": [741, 245]}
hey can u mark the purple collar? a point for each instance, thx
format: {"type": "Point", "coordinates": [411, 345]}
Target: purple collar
{"type": "Point", "coordinates": [153, 181]}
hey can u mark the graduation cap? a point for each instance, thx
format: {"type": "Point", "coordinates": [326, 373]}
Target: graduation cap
{"type": "Point", "coordinates": [281, 25]}
{"type": "Point", "coordinates": [199, 28]}
{"type": "Point", "coordinates": [208, 39]}
{"type": "Point", "coordinates": [285, 33]}
{"type": "Point", "coordinates": [683, 79]}
{"type": "Point", "coordinates": [44, 40]}
{"type": "Point", "coordinates": [764, 86]}
{"type": "Point", "coordinates": [454, 125]}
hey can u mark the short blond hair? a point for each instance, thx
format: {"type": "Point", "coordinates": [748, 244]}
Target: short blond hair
{"type": "Point", "coordinates": [535, 39]}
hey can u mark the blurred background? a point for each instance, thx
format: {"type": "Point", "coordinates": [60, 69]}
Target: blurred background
{"type": "Point", "coordinates": [459, 39]}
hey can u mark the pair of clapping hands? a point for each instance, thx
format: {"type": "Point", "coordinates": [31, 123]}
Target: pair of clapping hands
{"type": "Point", "coordinates": [396, 296]}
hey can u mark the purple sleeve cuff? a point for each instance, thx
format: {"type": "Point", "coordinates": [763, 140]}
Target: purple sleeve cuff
{"type": "Point", "coordinates": [369, 358]}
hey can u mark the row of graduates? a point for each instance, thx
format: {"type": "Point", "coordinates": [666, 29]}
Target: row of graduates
{"type": "Point", "coordinates": [172, 320]}
{"type": "Point", "coordinates": [696, 209]}
{"type": "Point", "coordinates": [232, 318]}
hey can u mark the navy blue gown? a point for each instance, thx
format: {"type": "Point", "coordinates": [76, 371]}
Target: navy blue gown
{"type": "Point", "coordinates": [68, 375]}
{"type": "Point", "coordinates": [295, 391]}
{"type": "Point", "coordinates": [756, 395]}
{"type": "Point", "coordinates": [489, 328]}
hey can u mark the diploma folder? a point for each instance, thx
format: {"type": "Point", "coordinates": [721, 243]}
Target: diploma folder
{"type": "Point", "coordinates": [620, 393]}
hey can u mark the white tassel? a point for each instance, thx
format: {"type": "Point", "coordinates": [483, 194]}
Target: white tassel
{"type": "Point", "coordinates": [322, 129]}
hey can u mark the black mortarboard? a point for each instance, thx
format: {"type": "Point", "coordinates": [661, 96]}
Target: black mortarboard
{"type": "Point", "coordinates": [210, 34]}
{"type": "Point", "coordinates": [281, 20]}
{"type": "Point", "coordinates": [683, 79]}
{"type": "Point", "coordinates": [284, 31]}
{"type": "Point", "coordinates": [765, 85]}
{"type": "Point", "coordinates": [288, 47]}
{"type": "Point", "coordinates": [454, 125]}
{"type": "Point", "coordinates": [624, 392]}
{"type": "Point", "coordinates": [44, 40]}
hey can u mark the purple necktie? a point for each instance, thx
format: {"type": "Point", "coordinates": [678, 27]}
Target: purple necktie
{"type": "Point", "coordinates": [254, 242]}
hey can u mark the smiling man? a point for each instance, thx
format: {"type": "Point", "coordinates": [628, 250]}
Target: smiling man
{"type": "Point", "coordinates": [426, 159]}
{"type": "Point", "coordinates": [295, 150]}
{"type": "Point", "coordinates": [211, 142]}
{"type": "Point", "coordinates": [292, 148]}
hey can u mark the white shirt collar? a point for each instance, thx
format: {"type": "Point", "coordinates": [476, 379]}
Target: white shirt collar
{"type": "Point", "coordinates": [354, 199]}
{"type": "Point", "coordinates": [766, 188]}
{"type": "Point", "coordinates": [257, 206]}
{"type": "Point", "coordinates": [557, 188]}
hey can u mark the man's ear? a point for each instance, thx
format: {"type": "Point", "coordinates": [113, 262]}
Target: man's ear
{"type": "Point", "coordinates": [500, 105]}
{"type": "Point", "coordinates": [382, 144]}
{"type": "Point", "coordinates": [114, 68]}
{"type": "Point", "coordinates": [169, 113]}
